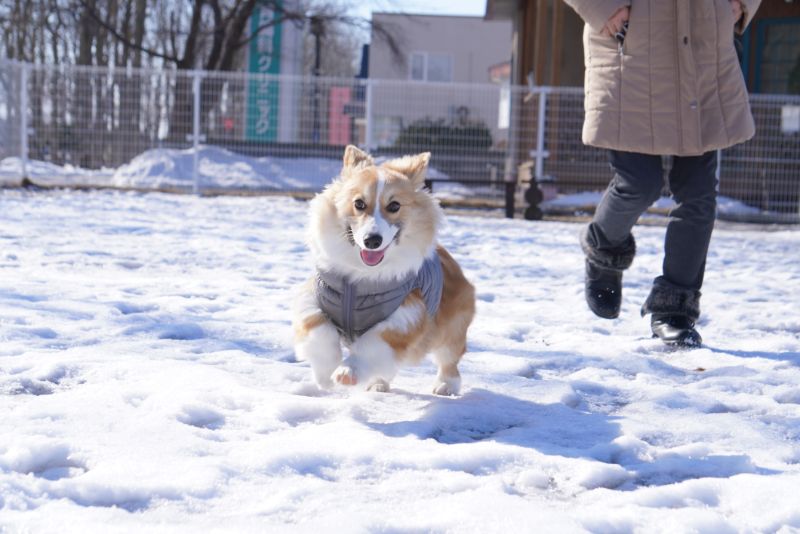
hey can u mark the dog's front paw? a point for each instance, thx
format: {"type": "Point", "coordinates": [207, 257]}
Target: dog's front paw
{"type": "Point", "coordinates": [345, 375]}
{"type": "Point", "coordinates": [445, 390]}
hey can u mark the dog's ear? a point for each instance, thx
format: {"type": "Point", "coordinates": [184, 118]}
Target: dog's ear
{"type": "Point", "coordinates": [413, 167]}
{"type": "Point", "coordinates": [354, 157]}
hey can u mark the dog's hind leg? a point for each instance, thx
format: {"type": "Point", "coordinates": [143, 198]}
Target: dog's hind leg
{"type": "Point", "coordinates": [456, 310]}
{"type": "Point", "coordinates": [448, 379]}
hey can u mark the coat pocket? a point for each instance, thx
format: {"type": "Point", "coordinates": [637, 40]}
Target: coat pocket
{"type": "Point", "coordinates": [602, 50]}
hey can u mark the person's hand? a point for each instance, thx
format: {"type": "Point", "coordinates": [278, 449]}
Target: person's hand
{"type": "Point", "coordinates": [736, 9]}
{"type": "Point", "coordinates": [620, 16]}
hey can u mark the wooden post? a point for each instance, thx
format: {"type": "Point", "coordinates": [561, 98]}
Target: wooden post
{"type": "Point", "coordinates": [540, 46]}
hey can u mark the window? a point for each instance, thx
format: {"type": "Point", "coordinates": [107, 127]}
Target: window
{"type": "Point", "coordinates": [440, 68]}
{"type": "Point", "coordinates": [387, 129]}
{"type": "Point", "coordinates": [424, 66]}
{"type": "Point", "coordinates": [418, 66]}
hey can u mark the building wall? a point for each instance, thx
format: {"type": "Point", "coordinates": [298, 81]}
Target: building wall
{"type": "Point", "coordinates": [476, 48]}
{"type": "Point", "coordinates": [551, 45]}
{"type": "Point", "coordinates": [475, 45]}
{"type": "Point", "coordinates": [772, 48]}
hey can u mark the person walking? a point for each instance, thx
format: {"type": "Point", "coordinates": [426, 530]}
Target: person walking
{"type": "Point", "coordinates": [662, 79]}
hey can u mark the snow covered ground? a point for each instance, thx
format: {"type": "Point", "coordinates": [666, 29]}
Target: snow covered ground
{"type": "Point", "coordinates": [218, 168]}
{"type": "Point", "coordinates": [726, 207]}
{"type": "Point", "coordinates": [147, 382]}
{"type": "Point", "coordinates": [160, 168]}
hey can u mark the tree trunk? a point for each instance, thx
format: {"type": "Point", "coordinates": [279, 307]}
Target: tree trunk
{"type": "Point", "coordinates": [83, 87]}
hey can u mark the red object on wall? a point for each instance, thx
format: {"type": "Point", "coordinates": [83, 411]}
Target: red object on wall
{"type": "Point", "coordinates": [338, 122]}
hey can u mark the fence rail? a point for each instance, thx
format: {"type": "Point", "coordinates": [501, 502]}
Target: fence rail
{"type": "Point", "coordinates": [210, 131]}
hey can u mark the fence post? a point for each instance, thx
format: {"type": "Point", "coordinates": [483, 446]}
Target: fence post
{"type": "Point", "coordinates": [23, 113]}
{"type": "Point", "coordinates": [196, 131]}
{"type": "Point", "coordinates": [540, 125]}
{"type": "Point", "coordinates": [368, 115]}
{"type": "Point", "coordinates": [511, 174]}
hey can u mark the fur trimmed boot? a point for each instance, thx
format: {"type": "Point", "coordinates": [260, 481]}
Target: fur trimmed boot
{"type": "Point", "coordinates": [674, 311]}
{"type": "Point", "coordinates": [603, 283]}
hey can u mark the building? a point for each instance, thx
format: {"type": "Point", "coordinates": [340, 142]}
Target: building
{"type": "Point", "coordinates": [547, 48]}
{"type": "Point", "coordinates": [455, 67]}
{"type": "Point", "coordinates": [771, 48]}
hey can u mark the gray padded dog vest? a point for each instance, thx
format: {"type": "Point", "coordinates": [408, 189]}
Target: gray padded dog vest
{"type": "Point", "coordinates": [356, 307]}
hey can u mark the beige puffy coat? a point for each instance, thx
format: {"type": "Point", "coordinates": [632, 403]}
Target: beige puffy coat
{"type": "Point", "coordinates": [675, 86]}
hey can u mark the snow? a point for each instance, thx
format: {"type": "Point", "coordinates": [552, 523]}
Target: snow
{"type": "Point", "coordinates": [218, 168]}
{"type": "Point", "coordinates": [222, 168]}
{"type": "Point", "coordinates": [147, 382]}
{"type": "Point", "coordinates": [46, 173]}
{"type": "Point", "coordinates": [161, 168]}
{"type": "Point", "coordinates": [726, 206]}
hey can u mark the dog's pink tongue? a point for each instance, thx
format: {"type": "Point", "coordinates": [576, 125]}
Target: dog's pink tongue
{"type": "Point", "coordinates": [371, 257]}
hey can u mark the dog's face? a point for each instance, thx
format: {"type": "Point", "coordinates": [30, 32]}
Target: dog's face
{"type": "Point", "coordinates": [375, 221]}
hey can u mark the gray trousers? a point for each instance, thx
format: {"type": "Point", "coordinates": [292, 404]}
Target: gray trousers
{"type": "Point", "coordinates": [637, 183]}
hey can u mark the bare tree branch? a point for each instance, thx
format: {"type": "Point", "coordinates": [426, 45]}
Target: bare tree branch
{"type": "Point", "coordinates": [127, 42]}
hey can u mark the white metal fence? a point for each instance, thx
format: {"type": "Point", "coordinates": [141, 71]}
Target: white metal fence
{"type": "Point", "coordinates": [216, 132]}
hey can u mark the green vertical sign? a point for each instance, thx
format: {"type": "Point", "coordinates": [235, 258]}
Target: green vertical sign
{"type": "Point", "coordinates": [264, 58]}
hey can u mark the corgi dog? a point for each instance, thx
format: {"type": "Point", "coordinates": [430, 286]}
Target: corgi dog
{"type": "Point", "coordinates": [384, 289]}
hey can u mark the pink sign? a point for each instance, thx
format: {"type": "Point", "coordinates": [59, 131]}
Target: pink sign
{"type": "Point", "coordinates": [338, 121]}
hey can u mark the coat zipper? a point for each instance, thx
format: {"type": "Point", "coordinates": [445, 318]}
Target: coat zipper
{"type": "Point", "coordinates": [348, 297]}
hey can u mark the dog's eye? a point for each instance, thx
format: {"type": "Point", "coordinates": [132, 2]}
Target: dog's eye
{"type": "Point", "coordinates": [393, 207]}
{"type": "Point", "coordinates": [360, 205]}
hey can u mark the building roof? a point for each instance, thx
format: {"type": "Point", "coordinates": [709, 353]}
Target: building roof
{"type": "Point", "coordinates": [501, 9]}
{"type": "Point", "coordinates": [432, 15]}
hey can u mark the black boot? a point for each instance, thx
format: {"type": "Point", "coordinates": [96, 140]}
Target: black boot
{"type": "Point", "coordinates": [603, 290]}
{"type": "Point", "coordinates": [603, 287]}
{"type": "Point", "coordinates": [675, 310]}
{"type": "Point", "coordinates": [675, 330]}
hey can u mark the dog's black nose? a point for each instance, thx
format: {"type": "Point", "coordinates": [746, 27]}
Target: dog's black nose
{"type": "Point", "coordinates": [373, 241]}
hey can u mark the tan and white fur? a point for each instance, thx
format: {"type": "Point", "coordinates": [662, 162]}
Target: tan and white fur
{"type": "Point", "coordinates": [386, 200]}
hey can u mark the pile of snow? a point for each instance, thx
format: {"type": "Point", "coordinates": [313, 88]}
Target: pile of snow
{"type": "Point", "coordinates": [220, 168]}
{"type": "Point", "coordinates": [574, 201]}
{"type": "Point", "coordinates": [50, 174]}
{"type": "Point", "coordinates": [217, 168]}
{"type": "Point", "coordinates": [147, 382]}
{"type": "Point", "coordinates": [726, 206]}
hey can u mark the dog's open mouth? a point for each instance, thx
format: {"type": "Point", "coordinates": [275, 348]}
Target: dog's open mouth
{"type": "Point", "coordinates": [372, 257]}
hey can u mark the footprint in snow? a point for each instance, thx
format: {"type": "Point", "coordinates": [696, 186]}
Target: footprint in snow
{"type": "Point", "coordinates": [134, 399]}
{"type": "Point", "coordinates": [529, 371]}
{"type": "Point", "coordinates": [791, 396]}
{"type": "Point", "coordinates": [45, 382]}
{"type": "Point", "coordinates": [296, 413]}
{"type": "Point", "coordinates": [130, 265]}
{"type": "Point", "coordinates": [128, 308]}
{"type": "Point", "coordinates": [26, 386]}
{"type": "Point", "coordinates": [201, 417]}
{"type": "Point", "coordinates": [43, 333]}
{"type": "Point", "coordinates": [51, 461]}
{"type": "Point", "coordinates": [182, 332]}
